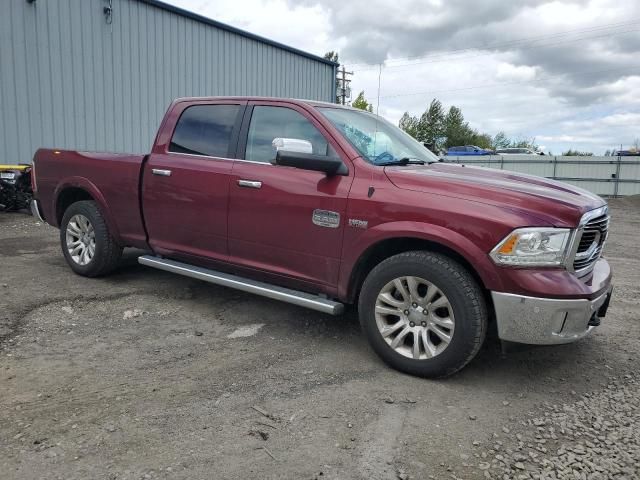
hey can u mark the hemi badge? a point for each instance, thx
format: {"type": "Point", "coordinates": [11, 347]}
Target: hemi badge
{"type": "Point", "coordinates": [326, 218]}
{"type": "Point", "coordinates": [354, 222]}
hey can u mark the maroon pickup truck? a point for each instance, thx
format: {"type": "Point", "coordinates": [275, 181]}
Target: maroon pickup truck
{"type": "Point", "coordinates": [321, 205]}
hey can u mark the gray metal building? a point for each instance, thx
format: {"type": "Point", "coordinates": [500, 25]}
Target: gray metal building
{"type": "Point", "coordinates": [99, 74]}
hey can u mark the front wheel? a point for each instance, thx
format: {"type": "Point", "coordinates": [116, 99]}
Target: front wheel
{"type": "Point", "coordinates": [423, 313]}
{"type": "Point", "coordinates": [87, 245]}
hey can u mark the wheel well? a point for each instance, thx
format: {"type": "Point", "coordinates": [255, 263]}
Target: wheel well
{"type": "Point", "coordinates": [68, 197]}
{"type": "Point", "coordinates": [387, 248]}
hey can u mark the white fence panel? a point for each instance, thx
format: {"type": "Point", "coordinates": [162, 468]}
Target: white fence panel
{"type": "Point", "coordinates": [605, 189]}
{"type": "Point", "coordinates": [625, 189]}
{"type": "Point", "coordinates": [586, 168]}
{"type": "Point", "coordinates": [530, 164]}
{"type": "Point", "coordinates": [607, 176]}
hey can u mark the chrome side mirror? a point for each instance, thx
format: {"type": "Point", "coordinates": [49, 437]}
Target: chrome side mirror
{"type": "Point", "coordinates": [294, 145]}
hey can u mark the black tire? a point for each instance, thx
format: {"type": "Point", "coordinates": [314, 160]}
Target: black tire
{"type": "Point", "coordinates": [464, 296]}
{"type": "Point", "coordinates": [107, 252]}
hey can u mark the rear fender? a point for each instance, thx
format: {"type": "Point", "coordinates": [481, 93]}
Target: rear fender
{"type": "Point", "coordinates": [91, 189]}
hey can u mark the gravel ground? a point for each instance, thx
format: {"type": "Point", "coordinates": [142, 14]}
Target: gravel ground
{"type": "Point", "coordinates": [596, 437]}
{"type": "Point", "coordinates": [147, 375]}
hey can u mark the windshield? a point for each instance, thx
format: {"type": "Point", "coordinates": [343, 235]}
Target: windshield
{"type": "Point", "coordinates": [378, 141]}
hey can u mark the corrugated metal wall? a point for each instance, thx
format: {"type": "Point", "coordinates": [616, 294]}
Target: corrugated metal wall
{"type": "Point", "coordinates": [70, 80]}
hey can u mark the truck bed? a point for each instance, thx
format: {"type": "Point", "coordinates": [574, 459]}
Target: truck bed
{"type": "Point", "coordinates": [112, 180]}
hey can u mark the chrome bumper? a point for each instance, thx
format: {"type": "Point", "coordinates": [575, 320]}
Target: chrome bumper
{"type": "Point", "coordinates": [546, 321]}
{"type": "Point", "coordinates": [35, 210]}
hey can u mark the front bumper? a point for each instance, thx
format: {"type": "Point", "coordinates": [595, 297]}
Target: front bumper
{"type": "Point", "coordinates": [547, 321]}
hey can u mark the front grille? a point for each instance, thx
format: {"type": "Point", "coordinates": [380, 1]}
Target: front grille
{"type": "Point", "coordinates": [590, 243]}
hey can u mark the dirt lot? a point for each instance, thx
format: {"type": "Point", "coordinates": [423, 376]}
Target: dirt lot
{"type": "Point", "coordinates": [148, 375]}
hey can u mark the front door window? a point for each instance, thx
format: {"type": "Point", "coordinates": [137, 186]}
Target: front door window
{"type": "Point", "coordinates": [269, 123]}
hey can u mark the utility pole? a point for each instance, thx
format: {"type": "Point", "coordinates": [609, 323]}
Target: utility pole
{"type": "Point", "coordinates": [379, 80]}
{"type": "Point", "coordinates": [344, 82]}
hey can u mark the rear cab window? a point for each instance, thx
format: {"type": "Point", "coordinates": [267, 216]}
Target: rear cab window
{"type": "Point", "coordinates": [205, 130]}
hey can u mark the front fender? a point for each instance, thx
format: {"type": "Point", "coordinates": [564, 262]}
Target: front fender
{"type": "Point", "coordinates": [86, 185]}
{"type": "Point", "coordinates": [450, 239]}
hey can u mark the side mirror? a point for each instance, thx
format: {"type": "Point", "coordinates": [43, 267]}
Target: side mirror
{"type": "Point", "coordinates": [309, 161]}
{"type": "Point", "coordinates": [292, 145]}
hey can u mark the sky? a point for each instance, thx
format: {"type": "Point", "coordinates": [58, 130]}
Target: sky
{"type": "Point", "coordinates": [566, 73]}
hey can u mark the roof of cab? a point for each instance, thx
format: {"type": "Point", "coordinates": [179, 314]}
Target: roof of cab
{"type": "Point", "coordinates": [315, 103]}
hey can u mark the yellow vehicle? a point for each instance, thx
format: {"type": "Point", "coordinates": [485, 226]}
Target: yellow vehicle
{"type": "Point", "coordinates": [19, 167]}
{"type": "Point", "coordinates": [15, 187]}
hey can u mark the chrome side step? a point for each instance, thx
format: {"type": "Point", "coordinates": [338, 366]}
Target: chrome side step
{"type": "Point", "coordinates": [295, 297]}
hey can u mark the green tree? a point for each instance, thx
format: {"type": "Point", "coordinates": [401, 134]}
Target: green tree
{"type": "Point", "coordinates": [409, 124]}
{"type": "Point", "coordinates": [439, 130]}
{"type": "Point", "coordinates": [482, 140]}
{"type": "Point", "coordinates": [333, 56]}
{"type": "Point", "coordinates": [456, 130]}
{"type": "Point", "coordinates": [576, 153]}
{"type": "Point", "coordinates": [362, 103]}
{"type": "Point", "coordinates": [431, 125]}
{"type": "Point", "coordinates": [525, 143]}
{"type": "Point", "coordinates": [500, 140]}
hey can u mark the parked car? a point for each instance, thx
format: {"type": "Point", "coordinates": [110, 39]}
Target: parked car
{"type": "Point", "coordinates": [627, 153]}
{"type": "Point", "coordinates": [15, 187]}
{"type": "Point", "coordinates": [517, 151]}
{"type": "Point", "coordinates": [322, 205]}
{"type": "Point", "coordinates": [468, 150]}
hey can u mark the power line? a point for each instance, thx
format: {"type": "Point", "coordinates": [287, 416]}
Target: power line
{"type": "Point", "coordinates": [603, 26]}
{"type": "Point", "coordinates": [436, 58]}
{"type": "Point", "coordinates": [431, 92]}
{"type": "Point", "coordinates": [484, 54]}
{"type": "Point", "coordinates": [379, 84]}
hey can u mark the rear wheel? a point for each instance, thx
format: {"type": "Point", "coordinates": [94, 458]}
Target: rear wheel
{"type": "Point", "coordinates": [87, 245]}
{"type": "Point", "coordinates": [423, 313]}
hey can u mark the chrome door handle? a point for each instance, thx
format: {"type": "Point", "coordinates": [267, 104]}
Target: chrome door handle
{"type": "Point", "coordinates": [249, 184]}
{"type": "Point", "coordinates": [163, 173]}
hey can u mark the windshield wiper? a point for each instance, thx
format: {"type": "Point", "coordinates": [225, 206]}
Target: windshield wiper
{"type": "Point", "coordinates": [404, 161]}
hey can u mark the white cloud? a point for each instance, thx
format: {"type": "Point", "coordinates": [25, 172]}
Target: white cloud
{"type": "Point", "coordinates": [303, 27]}
{"type": "Point", "coordinates": [563, 71]}
{"type": "Point", "coordinates": [622, 120]}
{"type": "Point", "coordinates": [509, 72]}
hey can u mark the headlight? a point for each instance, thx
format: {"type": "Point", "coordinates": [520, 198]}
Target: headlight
{"type": "Point", "coordinates": [533, 247]}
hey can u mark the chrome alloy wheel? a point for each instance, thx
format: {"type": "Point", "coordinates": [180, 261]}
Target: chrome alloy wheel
{"type": "Point", "coordinates": [414, 317]}
{"type": "Point", "coordinates": [80, 239]}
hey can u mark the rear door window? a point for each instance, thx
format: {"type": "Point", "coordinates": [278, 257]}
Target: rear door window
{"type": "Point", "coordinates": [269, 122]}
{"type": "Point", "coordinates": [205, 130]}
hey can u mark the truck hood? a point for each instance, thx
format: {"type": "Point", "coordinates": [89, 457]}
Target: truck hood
{"type": "Point", "coordinates": [552, 202]}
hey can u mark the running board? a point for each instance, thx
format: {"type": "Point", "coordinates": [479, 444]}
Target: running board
{"type": "Point", "coordinates": [302, 299]}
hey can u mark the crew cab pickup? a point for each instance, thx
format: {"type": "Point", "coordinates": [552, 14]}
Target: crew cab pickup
{"type": "Point", "coordinates": [322, 205]}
